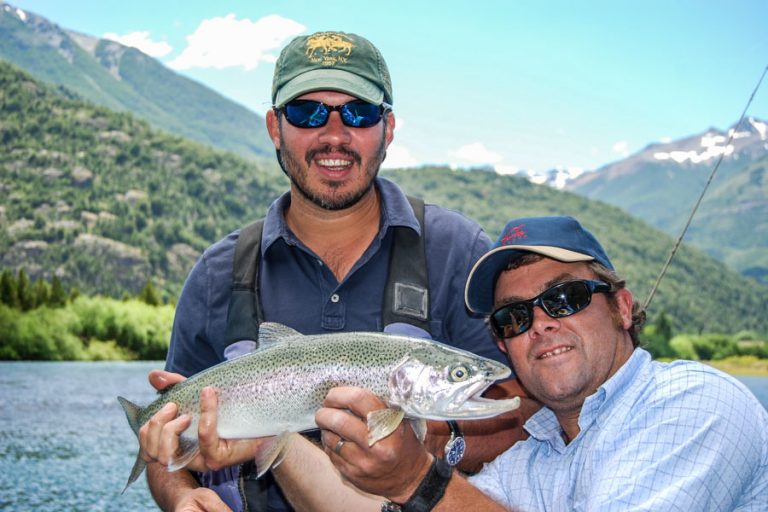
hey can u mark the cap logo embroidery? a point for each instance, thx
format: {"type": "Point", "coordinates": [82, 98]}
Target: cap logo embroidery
{"type": "Point", "coordinates": [329, 48]}
{"type": "Point", "coordinates": [514, 233]}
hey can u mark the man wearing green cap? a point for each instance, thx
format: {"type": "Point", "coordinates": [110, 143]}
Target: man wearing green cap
{"type": "Point", "coordinates": [343, 250]}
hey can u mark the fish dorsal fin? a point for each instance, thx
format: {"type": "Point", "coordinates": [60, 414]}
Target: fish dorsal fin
{"type": "Point", "coordinates": [272, 332]}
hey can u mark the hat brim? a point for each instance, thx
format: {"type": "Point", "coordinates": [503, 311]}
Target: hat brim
{"type": "Point", "coordinates": [481, 283]}
{"type": "Point", "coordinates": [329, 80]}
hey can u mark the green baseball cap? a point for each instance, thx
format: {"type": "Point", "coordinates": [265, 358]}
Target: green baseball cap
{"type": "Point", "coordinates": [331, 61]}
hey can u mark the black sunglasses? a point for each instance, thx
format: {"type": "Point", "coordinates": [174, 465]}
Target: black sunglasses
{"type": "Point", "coordinates": [314, 114]}
{"type": "Point", "coordinates": [564, 299]}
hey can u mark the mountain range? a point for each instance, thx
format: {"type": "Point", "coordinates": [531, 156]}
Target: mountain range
{"type": "Point", "coordinates": [661, 184]}
{"type": "Point", "coordinates": [107, 203]}
{"type": "Point", "coordinates": [124, 79]}
{"type": "Point", "coordinates": [100, 193]}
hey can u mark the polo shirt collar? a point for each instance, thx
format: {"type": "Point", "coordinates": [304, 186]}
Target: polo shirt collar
{"type": "Point", "coordinates": [396, 211]}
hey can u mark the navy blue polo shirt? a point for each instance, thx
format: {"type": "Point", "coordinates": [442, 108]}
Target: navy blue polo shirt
{"type": "Point", "coordinates": [298, 289]}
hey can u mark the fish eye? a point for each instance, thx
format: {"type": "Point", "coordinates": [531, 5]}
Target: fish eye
{"type": "Point", "coordinates": [459, 373]}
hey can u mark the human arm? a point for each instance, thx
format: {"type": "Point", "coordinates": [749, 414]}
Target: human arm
{"type": "Point", "coordinates": [394, 466]}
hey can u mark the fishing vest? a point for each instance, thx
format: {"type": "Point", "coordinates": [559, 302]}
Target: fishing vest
{"type": "Point", "coordinates": [406, 300]}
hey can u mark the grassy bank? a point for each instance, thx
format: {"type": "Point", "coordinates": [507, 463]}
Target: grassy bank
{"type": "Point", "coordinates": [742, 365]}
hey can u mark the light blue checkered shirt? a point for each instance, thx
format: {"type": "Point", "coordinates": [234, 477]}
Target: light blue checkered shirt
{"type": "Point", "coordinates": [675, 436]}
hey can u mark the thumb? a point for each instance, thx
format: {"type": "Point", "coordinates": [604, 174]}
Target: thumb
{"type": "Point", "coordinates": [161, 379]}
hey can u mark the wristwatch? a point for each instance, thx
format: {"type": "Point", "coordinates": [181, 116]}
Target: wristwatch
{"type": "Point", "coordinates": [428, 493]}
{"type": "Point", "coordinates": [456, 446]}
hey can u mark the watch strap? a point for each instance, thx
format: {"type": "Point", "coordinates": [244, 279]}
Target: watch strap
{"type": "Point", "coordinates": [428, 493]}
{"type": "Point", "coordinates": [456, 445]}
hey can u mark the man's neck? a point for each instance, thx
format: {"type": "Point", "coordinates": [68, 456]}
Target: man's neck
{"type": "Point", "coordinates": [569, 422]}
{"type": "Point", "coordinates": [338, 237]}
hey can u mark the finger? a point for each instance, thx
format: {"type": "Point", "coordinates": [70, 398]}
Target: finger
{"type": "Point", "coordinates": [358, 400]}
{"type": "Point", "coordinates": [331, 442]}
{"type": "Point", "coordinates": [160, 379]}
{"type": "Point", "coordinates": [168, 446]}
{"type": "Point", "coordinates": [151, 432]}
{"type": "Point", "coordinates": [207, 434]}
{"type": "Point", "coordinates": [211, 502]}
{"type": "Point", "coordinates": [202, 499]}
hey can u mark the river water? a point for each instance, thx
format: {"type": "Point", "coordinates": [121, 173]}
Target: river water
{"type": "Point", "coordinates": [65, 443]}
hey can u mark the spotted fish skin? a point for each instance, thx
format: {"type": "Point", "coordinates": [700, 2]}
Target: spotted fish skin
{"type": "Point", "coordinates": [279, 387]}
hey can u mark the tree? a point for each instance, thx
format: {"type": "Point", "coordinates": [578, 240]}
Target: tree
{"type": "Point", "coordinates": [24, 290]}
{"type": "Point", "coordinates": [149, 295]}
{"type": "Point", "coordinates": [41, 293]}
{"type": "Point", "coordinates": [58, 296]}
{"type": "Point", "coordinates": [656, 337]}
{"type": "Point", "coordinates": [9, 290]}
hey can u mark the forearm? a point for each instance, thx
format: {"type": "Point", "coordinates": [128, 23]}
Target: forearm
{"type": "Point", "coordinates": [461, 495]}
{"type": "Point", "coordinates": [167, 488]}
{"type": "Point", "coordinates": [311, 482]}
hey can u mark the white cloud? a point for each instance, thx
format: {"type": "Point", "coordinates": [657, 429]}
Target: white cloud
{"type": "Point", "coordinates": [507, 169]}
{"type": "Point", "coordinates": [477, 153]}
{"type": "Point", "coordinates": [141, 41]}
{"type": "Point", "coordinates": [620, 147]}
{"type": "Point", "coordinates": [399, 157]}
{"type": "Point", "coordinates": [229, 42]}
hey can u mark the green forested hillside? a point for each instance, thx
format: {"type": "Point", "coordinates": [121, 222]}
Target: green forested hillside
{"type": "Point", "coordinates": [106, 203]}
{"type": "Point", "coordinates": [698, 293]}
{"type": "Point", "coordinates": [124, 79]}
{"type": "Point", "coordinates": [103, 200]}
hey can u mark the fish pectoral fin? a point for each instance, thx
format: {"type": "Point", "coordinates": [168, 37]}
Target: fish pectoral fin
{"type": "Point", "coordinates": [419, 426]}
{"type": "Point", "coordinates": [273, 453]}
{"type": "Point", "coordinates": [383, 422]}
{"type": "Point", "coordinates": [188, 449]}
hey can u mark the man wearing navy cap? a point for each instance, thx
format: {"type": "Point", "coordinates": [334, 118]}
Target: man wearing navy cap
{"type": "Point", "coordinates": [618, 431]}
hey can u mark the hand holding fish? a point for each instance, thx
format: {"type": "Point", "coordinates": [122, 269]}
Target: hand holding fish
{"type": "Point", "coordinates": [159, 438]}
{"type": "Point", "coordinates": [276, 390]}
{"type": "Point", "coordinates": [393, 467]}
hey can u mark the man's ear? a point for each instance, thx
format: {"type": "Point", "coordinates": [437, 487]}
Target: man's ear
{"type": "Point", "coordinates": [273, 127]}
{"type": "Point", "coordinates": [389, 129]}
{"type": "Point", "coordinates": [501, 345]}
{"type": "Point", "coordinates": [624, 302]}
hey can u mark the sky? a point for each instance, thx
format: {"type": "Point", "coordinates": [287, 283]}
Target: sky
{"type": "Point", "coordinates": [518, 85]}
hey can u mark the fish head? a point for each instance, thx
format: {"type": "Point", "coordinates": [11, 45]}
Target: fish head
{"type": "Point", "coordinates": [439, 382]}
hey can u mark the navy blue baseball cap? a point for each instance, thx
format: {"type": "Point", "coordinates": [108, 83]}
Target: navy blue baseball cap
{"type": "Point", "coordinates": [559, 238]}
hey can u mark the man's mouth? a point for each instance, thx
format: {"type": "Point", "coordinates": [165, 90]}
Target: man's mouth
{"type": "Point", "coordinates": [333, 163]}
{"type": "Point", "coordinates": [333, 158]}
{"type": "Point", "coordinates": [555, 352]}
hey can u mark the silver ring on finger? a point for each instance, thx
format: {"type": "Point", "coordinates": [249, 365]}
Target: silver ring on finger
{"type": "Point", "coordinates": [337, 448]}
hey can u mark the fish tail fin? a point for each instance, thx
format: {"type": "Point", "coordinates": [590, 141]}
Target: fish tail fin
{"type": "Point", "coordinates": [138, 467]}
{"type": "Point", "coordinates": [132, 412]}
{"type": "Point", "coordinates": [274, 453]}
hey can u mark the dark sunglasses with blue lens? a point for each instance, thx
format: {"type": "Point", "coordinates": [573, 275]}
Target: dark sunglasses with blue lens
{"type": "Point", "coordinates": [314, 114]}
{"type": "Point", "coordinates": [564, 299]}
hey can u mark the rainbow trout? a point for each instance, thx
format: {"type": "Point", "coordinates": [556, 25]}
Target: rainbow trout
{"type": "Point", "coordinates": [276, 389]}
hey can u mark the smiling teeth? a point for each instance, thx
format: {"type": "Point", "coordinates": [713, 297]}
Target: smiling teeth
{"type": "Point", "coordinates": [555, 352]}
{"type": "Point", "coordinates": [334, 163]}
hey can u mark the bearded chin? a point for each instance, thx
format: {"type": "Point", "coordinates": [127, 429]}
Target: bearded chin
{"type": "Point", "coordinates": [334, 200]}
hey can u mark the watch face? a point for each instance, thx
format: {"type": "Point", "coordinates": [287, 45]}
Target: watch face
{"type": "Point", "coordinates": [454, 450]}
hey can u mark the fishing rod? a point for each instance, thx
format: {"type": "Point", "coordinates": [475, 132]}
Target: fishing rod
{"type": "Point", "coordinates": [704, 191]}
